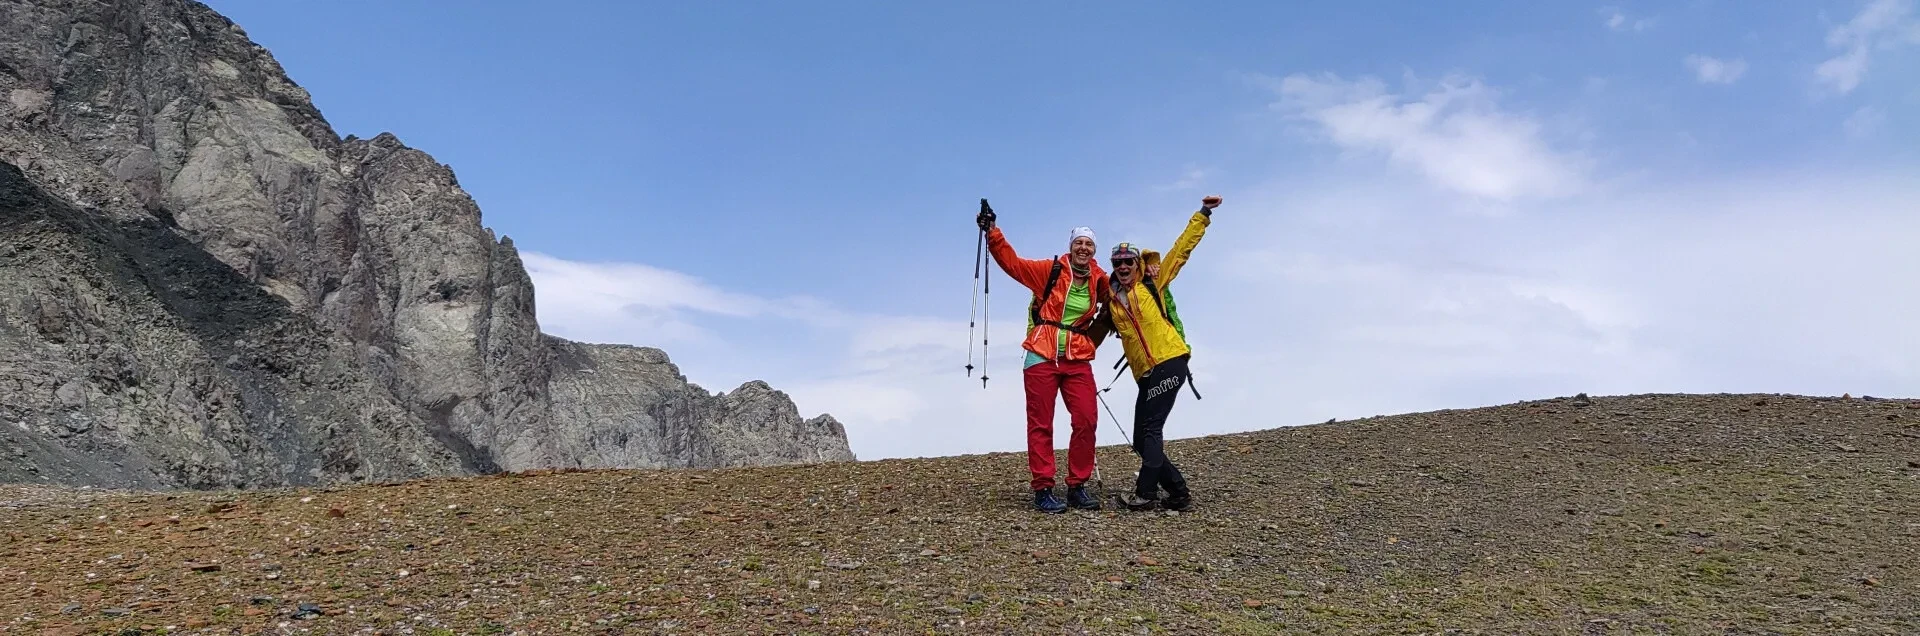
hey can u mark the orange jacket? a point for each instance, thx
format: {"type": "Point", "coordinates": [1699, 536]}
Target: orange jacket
{"type": "Point", "coordinates": [1043, 339]}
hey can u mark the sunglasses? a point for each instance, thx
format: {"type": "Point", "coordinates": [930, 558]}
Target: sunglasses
{"type": "Point", "coordinates": [1124, 262]}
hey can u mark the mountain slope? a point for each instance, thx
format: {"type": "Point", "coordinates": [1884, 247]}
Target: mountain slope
{"type": "Point", "coordinates": [1636, 514]}
{"type": "Point", "coordinates": [132, 357]}
{"type": "Point", "coordinates": [163, 115]}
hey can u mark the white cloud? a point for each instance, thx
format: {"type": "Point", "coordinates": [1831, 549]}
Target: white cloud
{"type": "Point", "coordinates": [1455, 134]}
{"type": "Point", "coordinates": [1716, 71]}
{"type": "Point", "coordinates": [604, 301]}
{"type": "Point", "coordinates": [1844, 72]}
{"type": "Point", "coordinates": [596, 300]}
{"type": "Point", "coordinates": [1864, 122]}
{"type": "Point", "coordinates": [1881, 25]}
{"type": "Point", "coordinates": [1618, 21]}
{"type": "Point", "coordinates": [1191, 178]}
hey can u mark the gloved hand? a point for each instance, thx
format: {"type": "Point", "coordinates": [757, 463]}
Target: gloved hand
{"type": "Point", "coordinates": [986, 217]}
{"type": "Point", "coordinates": [1210, 202]}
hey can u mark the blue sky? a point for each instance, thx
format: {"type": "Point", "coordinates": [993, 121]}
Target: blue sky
{"type": "Point", "coordinates": [1429, 205]}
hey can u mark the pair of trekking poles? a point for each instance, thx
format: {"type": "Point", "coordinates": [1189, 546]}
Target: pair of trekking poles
{"type": "Point", "coordinates": [981, 294]}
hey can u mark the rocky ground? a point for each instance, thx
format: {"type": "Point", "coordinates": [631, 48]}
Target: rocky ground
{"type": "Point", "coordinates": [1629, 515]}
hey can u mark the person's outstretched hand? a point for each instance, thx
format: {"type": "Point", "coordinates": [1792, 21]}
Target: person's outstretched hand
{"type": "Point", "coordinates": [986, 217]}
{"type": "Point", "coordinates": [1210, 202]}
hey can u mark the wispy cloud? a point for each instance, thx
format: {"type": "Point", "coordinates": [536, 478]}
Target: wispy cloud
{"type": "Point", "coordinates": [1191, 178]}
{"type": "Point", "coordinates": [1716, 71]}
{"type": "Point", "coordinates": [1881, 25]}
{"type": "Point", "coordinates": [608, 301]}
{"type": "Point", "coordinates": [1455, 134]}
{"type": "Point", "coordinates": [1865, 122]}
{"type": "Point", "coordinates": [1618, 21]}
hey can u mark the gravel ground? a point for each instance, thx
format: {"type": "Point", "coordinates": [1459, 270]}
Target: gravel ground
{"type": "Point", "coordinates": [1650, 514]}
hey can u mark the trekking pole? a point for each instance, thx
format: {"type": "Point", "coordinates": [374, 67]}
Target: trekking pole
{"type": "Point", "coordinates": [986, 307]}
{"type": "Point", "coordinates": [1116, 375]}
{"type": "Point", "coordinates": [974, 298]}
{"type": "Point", "coordinates": [1114, 419]}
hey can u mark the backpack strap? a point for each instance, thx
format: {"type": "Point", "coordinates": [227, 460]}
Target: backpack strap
{"type": "Point", "coordinates": [1046, 293]}
{"type": "Point", "coordinates": [1033, 308]}
{"type": "Point", "coordinates": [1154, 291]}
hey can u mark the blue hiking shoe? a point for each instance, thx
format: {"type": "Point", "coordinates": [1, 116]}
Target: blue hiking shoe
{"type": "Point", "coordinates": [1044, 500]}
{"type": "Point", "coordinates": [1079, 498]}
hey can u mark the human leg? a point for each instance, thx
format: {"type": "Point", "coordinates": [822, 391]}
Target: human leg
{"type": "Point", "coordinates": [1040, 385]}
{"type": "Point", "coordinates": [1178, 497]}
{"type": "Point", "coordinates": [1159, 388]}
{"type": "Point", "coordinates": [1077, 389]}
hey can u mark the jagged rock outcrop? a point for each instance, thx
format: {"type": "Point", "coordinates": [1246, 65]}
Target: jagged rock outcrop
{"type": "Point", "coordinates": [204, 285]}
{"type": "Point", "coordinates": [130, 356]}
{"type": "Point", "coordinates": [651, 415]}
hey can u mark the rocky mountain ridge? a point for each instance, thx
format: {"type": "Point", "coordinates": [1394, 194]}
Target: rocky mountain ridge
{"type": "Point", "coordinates": [205, 286]}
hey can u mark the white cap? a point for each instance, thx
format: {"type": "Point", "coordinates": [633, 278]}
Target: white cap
{"type": "Point", "coordinates": [1083, 231]}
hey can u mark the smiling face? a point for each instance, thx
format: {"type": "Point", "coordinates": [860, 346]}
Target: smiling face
{"type": "Point", "coordinates": [1124, 270]}
{"type": "Point", "coordinates": [1081, 251]}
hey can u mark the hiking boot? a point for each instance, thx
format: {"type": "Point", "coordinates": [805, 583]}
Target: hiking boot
{"type": "Point", "coordinates": [1180, 502]}
{"type": "Point", "coordinates": [1133, 501]}
{"type": "Point", "coordinates": [1044, 500]}
{"type": "Point", "coordinates": [1178, 498]}
{"type": "Point", "coordinates": [1078, 497]}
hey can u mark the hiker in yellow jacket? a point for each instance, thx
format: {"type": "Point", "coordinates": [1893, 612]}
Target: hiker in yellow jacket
{"type": "Point", "coordinates": [1157, 351]}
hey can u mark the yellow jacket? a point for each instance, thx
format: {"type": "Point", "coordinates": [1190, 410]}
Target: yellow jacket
{"type": "Point", "coordinates": [1147, 335]}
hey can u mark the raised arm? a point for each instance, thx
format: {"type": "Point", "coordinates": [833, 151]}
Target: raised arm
{"type": "Point", "coordinates": [1183, 247]}
{"type": "Point", "coordinates": [1030, 273]}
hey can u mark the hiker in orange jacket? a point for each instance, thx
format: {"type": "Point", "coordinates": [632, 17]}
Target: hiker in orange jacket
{"type": "Point", "coordinates": [1157, 352]}
{"type": "Point", "coordinates": [1060, 349]}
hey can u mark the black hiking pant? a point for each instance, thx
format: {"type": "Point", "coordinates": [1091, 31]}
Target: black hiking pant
{"type": "Point", "coordinates": [1158, 390]}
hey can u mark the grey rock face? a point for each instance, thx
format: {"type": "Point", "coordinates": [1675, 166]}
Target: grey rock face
{"type": "Point", "coordinates": [633, 407]}
{"type": "Point", "coordinates": [130, 356]}
{"type": "Point", "coordinates": [205, 286]}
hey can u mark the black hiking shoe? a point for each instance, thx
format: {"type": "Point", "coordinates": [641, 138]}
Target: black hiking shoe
{"type": "Point", "coordinates": [1044, 500]}
{"type": "Point", "coordinates": [1180, 502]}
{"type": "Point", "coordinates": [1133, 501]}
{"type": "Point", "coordinates": [1078, 497]}
{"type": "Point", "coordinates": [1178, 497]}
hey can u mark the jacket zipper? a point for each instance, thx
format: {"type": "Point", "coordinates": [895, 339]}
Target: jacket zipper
{"type": "Point", "coordinates": [1053, 344]}
{"type": "Point", "coordinates": [1136, 329]}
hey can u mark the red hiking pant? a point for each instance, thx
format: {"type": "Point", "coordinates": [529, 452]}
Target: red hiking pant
{"type": "Point", "coordinates": [1074, 383]}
